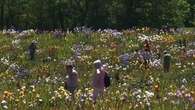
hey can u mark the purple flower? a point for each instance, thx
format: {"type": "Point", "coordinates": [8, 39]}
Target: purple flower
{"type": "Point", "coordinates": [190, 53]}
{"type": "Point", "coordinates": [125, 58]}
{"type": "Point", "coordinates": [58, 34]}
{"type": "Point", "coordinates": [178, 93]}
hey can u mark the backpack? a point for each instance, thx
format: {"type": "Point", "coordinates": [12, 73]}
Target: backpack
{"type": "Point", "coordinates": [107, 80]}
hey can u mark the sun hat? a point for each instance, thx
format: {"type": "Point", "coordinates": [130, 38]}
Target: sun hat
{"type": "Point", "coordinates": [97, 62]}
{"type": "Point", "coordinates": [34, 42]}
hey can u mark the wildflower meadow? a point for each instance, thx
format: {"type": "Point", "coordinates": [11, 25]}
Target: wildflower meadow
{"type": "Point", "coordinates": [40, 84]}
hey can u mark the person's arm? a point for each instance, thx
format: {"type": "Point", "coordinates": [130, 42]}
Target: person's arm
{"type": "Point", "coordinates": [76, 74]}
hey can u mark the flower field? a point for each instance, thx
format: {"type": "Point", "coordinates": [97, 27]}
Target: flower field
{"type": "Point", "coordinates": [40, 84]}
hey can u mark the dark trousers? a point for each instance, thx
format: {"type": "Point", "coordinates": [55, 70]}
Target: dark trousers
{"type": "Point", "coordinates": [32, 55]}
{"type": "Point", "coordinates": [166, 68]}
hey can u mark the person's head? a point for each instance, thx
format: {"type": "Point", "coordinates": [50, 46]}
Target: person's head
{"type": "Point", "coordinates": [97, 64]}
{"type": "Point", "coordinates": [69, 68]}
{"type": "Point", "coordinates": [34, 42]}
{"type": "Point", "coordinates": [165, 52]}
{"type": "Point", "coordinates": [69, 65]}
{"type": "Point", "coordinates": [146, 41]}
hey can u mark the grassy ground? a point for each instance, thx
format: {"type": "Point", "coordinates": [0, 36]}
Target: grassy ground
{"type": "Point", "coordinates": [44, 88]}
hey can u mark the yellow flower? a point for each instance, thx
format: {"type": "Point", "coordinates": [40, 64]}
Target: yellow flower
{"type": "Point", "coordinates": [157, 88]}
{"type": "Point", "coordinates": [7, 94]}
{"type": "Point", "coordinates": [61, 88]}
{"type": "Point", "coordinates": [17, 100]}
{"type": "Point", "coordinates": [23, 88]}
{"type": "Point", "coordinates": [78, 93]}
{"type": "Point", "coordinates": [117, 92]}
{"type": "Point", "coordinates": [22, 94]}
{"type": "Point", "coordinates": [90, 91]}
{"type": "Point", "coordinates": [59, 96]}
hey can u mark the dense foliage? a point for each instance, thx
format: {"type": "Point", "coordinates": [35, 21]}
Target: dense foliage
{"type": "Point", "coordinates": [51, 14]}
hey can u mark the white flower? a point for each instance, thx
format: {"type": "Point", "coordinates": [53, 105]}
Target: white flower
{"type": "Point", "coordinates": [138, 97]}
{"type": "Point", "coordinates": [124, 84]}
{"type": "Point", "coordinates": [184, 81]}
{"type": "Point", "coordinates": [16, 43]}
{"type": "Point", "coordinates": [137, 92]}
{"type": "Point", "coordinates": [40, 100]}
{"type": "Point", "coordinates": [148, 103]}
{"type": "Point", "coordinates": [170, 94]}
{"type": "Point", "coordinates": [178, 64]}
{"type": "Point", "coordinates": [149, 94]}
{"type": "Point", "coordinates": [5, 107]}
{"type": "Point", "coordinates": [165, 98]}
{"type": "Point", "coordinates": [47, 79]}
{"type": "Point", "coordinates": [4, 61]}
{"type": "Point", "coordinates": [156, 63]}
{"type": "Point", "coordinates": [124, 69]}
{"type": "Point", "coordinates": [3, 102]}
{"type": "Point", "coordinates": [24, 101]}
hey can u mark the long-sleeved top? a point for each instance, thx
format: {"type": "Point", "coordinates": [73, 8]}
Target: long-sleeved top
{"type": "Point", "coordinates": [72, 80]}
{"type": "Point", "coordinates": [98, 81]}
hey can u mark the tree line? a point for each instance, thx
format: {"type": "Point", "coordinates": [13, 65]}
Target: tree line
{"type": "Point", "coordinates": [63, 14]}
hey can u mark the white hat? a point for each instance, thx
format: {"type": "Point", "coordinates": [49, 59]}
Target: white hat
{"type": "Point", "coordinates": [97, 62]}
{"type": "Point", "coordinates": [34, 41]}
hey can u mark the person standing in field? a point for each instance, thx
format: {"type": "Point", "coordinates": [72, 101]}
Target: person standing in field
{"type": "Point", "coordinates": [98, 80]}
{"type": "Point", "coordinates": [32, 49]}
{"type": "Point", "coordinates": [166, 61]}
{"type": "Point", "coordinates": [124, 59]}
{"type": "Point", "coordinates": [183, 56]}
{"type": "Point", "coordinates": [72, 81]}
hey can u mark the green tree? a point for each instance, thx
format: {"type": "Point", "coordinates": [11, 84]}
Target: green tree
{"type": "Point", "coordinates": [52, 14]}
{"type": "Point", "coordinates": [190, 21]}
